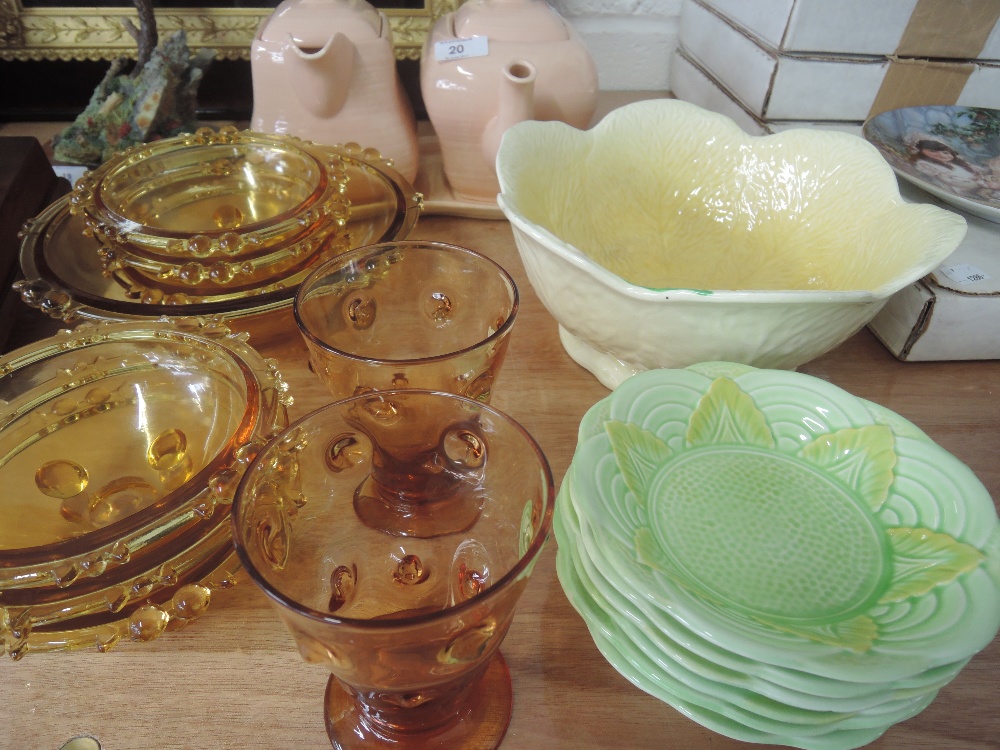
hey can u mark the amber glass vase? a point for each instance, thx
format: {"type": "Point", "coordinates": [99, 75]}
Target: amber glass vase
{"type": "Point", "coordinates": [408, 622]}
{"type": "Point", "coordinates": [407, 314]}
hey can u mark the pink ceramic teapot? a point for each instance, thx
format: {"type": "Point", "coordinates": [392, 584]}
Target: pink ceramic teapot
{"type": "Point", "coordinates": [325, 70]}
{"type": "Point", "coordinates": [527, 63]}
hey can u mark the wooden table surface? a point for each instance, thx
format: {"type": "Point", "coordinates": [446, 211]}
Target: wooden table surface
{"type": "Point", "coordinates": [233, 679]}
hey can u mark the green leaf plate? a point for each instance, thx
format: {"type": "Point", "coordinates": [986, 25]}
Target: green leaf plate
{"type": "Point", "coordinates": [783, 519]}
{"type": "Point", "coordinates": [764, 685]}
{"type": "Point", "coordinates": [635, 665]}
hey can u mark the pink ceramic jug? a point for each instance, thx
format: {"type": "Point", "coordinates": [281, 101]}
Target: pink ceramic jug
{"type": "Point", "coordinates": [535, 66]}
{"type": "Point", "coordinates": [325, 70]}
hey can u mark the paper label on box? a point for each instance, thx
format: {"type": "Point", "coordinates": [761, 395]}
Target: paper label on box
{"type": "Point", "coordinates": [963, 273]}
{"type": "Point", "coordinates": [459, 49]}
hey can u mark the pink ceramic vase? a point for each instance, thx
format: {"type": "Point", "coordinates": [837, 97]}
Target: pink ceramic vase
{"type": "Point", "coordinates": [535, 67]}
{"type": "Point", "coordinates": [325, 70]}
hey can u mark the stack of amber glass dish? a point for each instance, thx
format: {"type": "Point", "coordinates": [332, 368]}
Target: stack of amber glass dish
{"type": "Point", "coordinates": [222, 223]}
{"type": "Point", "coordinates": [213, 210]}
{"type": "Point", "coordinates": [116, 501]}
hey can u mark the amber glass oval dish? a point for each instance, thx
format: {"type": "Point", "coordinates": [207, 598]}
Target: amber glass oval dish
{"type": "Point", "coordinates": [69, 274]}
{"type": "Point", "coordinates": [211, 194]}
{"type": "Point", "coordinates": [117, 439]}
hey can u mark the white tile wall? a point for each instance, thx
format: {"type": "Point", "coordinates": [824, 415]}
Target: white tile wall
{"type": "Point", "coordinates": [632, 41]}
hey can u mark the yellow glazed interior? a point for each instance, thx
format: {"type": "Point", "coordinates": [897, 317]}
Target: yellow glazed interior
{"type": "Point", "coordinates": [667, 195]}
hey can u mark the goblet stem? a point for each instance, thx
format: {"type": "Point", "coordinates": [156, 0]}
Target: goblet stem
{"type": "Point", "coordinates": [383, 508]}
{"type": "Point", "coordinates": [425, 481]}
{"type": "Point", "coordinates": [472, 715]}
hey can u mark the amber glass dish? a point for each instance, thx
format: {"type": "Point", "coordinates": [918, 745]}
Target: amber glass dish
{"type": "Point", "coordinates": [66, 277]}
{"type": "Point", "coordinates": [209, 210]}
{"type": "Point", "coordinates": [147, 617]}
{"type": "Point", "coordinates": [115, 439]}
{"type": "Point", "coordinates": [169, 577]}
{"type": "Point", "coordinates": [226, 194]}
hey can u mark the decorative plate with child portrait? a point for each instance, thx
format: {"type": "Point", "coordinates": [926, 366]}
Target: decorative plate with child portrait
{"type": "Point", "coordinates": [952, 152]}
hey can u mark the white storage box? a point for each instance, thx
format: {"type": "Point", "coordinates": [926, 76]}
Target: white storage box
{"type": "Point", "coordinates": [954, 313]}
{"type": "Point", "coordinates": [690, 82]}
{"type": "Point", "coordinates": [780, 86]}
{"type": "Point", "coordinates": [909, 28]}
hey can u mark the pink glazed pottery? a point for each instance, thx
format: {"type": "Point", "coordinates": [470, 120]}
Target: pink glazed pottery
{"type": "Point", "coordinates": [523, 62]}
{"type": "Point", "coordinates": [325, 71]}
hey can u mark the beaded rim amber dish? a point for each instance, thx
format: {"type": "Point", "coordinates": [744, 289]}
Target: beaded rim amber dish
{"type": "Point", "coordinates": [163, 611]}
{"type": "Point", "coordinates": [228, 194]}
{"type": "Point", "coordinates": [65, 277]}
{"type": "Point", "coordinates": [64, 381]}
{"type": "Point", "coordinates": [121, 586]}
{"type": "Point", "coordinates": [30, 625]}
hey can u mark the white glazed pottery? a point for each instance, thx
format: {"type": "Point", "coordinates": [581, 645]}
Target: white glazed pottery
{"type": "Point", "coordinates": [667, 236]}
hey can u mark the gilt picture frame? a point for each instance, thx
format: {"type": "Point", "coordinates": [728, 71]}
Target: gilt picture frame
{"type": "Point", "coordinates": [29, 32]}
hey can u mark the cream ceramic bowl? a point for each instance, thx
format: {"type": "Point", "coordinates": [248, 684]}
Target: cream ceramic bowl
{"type": "Point", "coordinates": [667, 236]}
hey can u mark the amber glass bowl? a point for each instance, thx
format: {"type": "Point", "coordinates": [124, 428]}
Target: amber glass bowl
{"type": "Point", "coordinates": [228, 194]}
{"type": "Point", "coordinates": [73, 276]}
{"type": "Point", "coordinates": [214, 209]}
{"type": "Point", "coordinates": [117, 439]}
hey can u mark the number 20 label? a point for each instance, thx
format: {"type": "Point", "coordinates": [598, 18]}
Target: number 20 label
{"type": "Point", "coordinates": [458, 49]}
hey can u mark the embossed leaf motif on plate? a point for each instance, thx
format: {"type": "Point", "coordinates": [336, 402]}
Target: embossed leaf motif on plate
{"type": "Point", "coordinates": [788, 538]}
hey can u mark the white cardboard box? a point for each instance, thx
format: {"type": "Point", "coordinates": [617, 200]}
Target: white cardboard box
{"type": "Point", "coordinates": [781, 86]}
{"type": "Point", "coordinates": [688, 81]}
{"type": "Point", "coordinates": [910, 28]}
{"type": "Point", "coordinates": [953, 313]}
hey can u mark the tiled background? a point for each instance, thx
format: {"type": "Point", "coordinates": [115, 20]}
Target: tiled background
{"type": "Point", "coordinates": [631, 40]}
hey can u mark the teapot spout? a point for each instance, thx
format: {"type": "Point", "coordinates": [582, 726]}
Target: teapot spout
{"type": "Point", "coordinates": [321, 77]}
{"type": "Point", "coordinates": [515, 103]}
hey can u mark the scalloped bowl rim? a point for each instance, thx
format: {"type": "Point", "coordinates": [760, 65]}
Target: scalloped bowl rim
{"type": "Point", "coordinates": [616, 283]}
{"type": "Point", "coordinates": [565, 250]}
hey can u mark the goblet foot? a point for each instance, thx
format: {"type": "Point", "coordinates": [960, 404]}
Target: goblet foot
{"type": "Point", "coordinates": [480, 726]}
{"type": "Point", "coordinates": [452, 513]}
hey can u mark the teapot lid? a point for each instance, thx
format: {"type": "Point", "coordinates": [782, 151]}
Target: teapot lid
{"type": "Point", "coordinates": [312, 22]}
{"type": "Point", "coordinates": [510, 21]}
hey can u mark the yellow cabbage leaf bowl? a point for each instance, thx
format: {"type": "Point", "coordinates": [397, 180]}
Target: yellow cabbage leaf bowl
{"type": "Point", "coordinates": [666, 236]}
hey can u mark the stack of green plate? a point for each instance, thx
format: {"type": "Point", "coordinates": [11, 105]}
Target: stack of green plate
{"type": "Point", "coordinates": [775, 558]}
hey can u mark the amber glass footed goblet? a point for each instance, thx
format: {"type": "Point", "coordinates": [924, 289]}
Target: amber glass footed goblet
{"type": "Point", "coordinates": [409, 626]}
{"type": "Point", "coordinates": [407, 314]}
